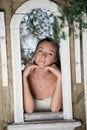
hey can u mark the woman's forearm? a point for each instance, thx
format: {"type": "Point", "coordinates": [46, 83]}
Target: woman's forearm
{"type": "Point", "coordinates": [28, 99]}
{"type": "Point", "coordinates": [56, 102]}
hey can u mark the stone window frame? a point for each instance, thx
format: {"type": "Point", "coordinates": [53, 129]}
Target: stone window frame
{"type": "Point", "coordinates": [16, 60]}
{"type": "Point", "coordinates": [3, 50]}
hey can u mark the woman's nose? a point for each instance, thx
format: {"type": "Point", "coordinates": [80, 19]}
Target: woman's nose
{"type": "Point", "coordinates": [44, 55]}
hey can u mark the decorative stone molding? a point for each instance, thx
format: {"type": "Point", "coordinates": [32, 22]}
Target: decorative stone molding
{"type": "Point", "coordinates": [84, 41]}
{"type": "Point", "coordinates": [77, 52]}
{"type": "Point", "coordinates": [46, 125]}
{"type": "Point", "coordinates": [3, 50]}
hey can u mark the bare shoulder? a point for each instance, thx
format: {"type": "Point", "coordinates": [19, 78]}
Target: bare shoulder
{"type": "Point", "coordinates": [55, 67]}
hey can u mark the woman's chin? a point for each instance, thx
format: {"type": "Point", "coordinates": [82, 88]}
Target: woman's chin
{"type": "Point", "coordinates": [41, 67]}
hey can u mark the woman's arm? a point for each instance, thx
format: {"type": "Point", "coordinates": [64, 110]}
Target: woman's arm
{"type": "Point", "coordinates": [27, 96]}
{"type": "Point", "coordinates": [56, 103]}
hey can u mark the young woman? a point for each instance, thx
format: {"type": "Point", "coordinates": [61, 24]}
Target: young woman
{"type": "Point", "coordinates": [42, 80]}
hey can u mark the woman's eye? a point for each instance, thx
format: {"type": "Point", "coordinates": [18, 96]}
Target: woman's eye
{"type": "Point", "coordinates": [39, 50]}
{"type": "Point", "coordinates": [50, 54]}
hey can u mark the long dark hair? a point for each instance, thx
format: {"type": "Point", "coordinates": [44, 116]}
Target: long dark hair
{"type": "Point", "coordinates": [58, 63]}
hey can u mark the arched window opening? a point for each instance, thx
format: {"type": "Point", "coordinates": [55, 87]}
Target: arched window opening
{"type": "Point", "coordinates": [36, 25]}
{"type": "Point", "coordinates": [16, 30]}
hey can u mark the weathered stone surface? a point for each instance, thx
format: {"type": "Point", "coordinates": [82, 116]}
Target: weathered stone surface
{"type": "Point", "coordinates": [47, 125]}
{"type": "Point", "coordinates": [43, 116]}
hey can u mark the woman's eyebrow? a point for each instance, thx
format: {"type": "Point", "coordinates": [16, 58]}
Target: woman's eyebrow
{"type": "Point", "coordinates": [48, 50]}
{"type": "Point", "coordinates": [40, 48]}
{"type": "Point", "coordinates": [52, 51]}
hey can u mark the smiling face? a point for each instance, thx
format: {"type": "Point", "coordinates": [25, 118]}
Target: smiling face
{"type": "Point", "coordinates": [45, 54]}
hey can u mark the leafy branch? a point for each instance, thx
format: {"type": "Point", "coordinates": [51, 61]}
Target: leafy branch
{"type": "Point", "coordinates": [74, 11]}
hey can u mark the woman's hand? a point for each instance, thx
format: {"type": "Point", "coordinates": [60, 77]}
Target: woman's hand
{"type": "Point", "coordinates": [28, 69]}
{"type": "Point", "coordinates": [54, 69]}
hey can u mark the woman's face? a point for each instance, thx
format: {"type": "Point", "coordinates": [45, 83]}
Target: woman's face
{"type": "Point", "coordinates": [45, 54]}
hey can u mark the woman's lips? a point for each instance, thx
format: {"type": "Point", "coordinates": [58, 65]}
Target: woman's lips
{"type": "Point", "coordinates": [43, 62]}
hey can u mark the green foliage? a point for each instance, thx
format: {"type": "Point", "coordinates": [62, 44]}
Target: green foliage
{"type": "Point", "coordinates": [39, 22]}
{"type": "Point", "coordinates": [78, 6]}
{"type": "Point", "coordinates": [42, 23]}
{"type": "Point", "coordinates": [75, 11]}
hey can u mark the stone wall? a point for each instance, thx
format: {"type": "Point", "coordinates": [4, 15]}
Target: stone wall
{"type": "Point", "coordinates": [77, 88]}
{"type": "Point", "coordinates": [6, 93]}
